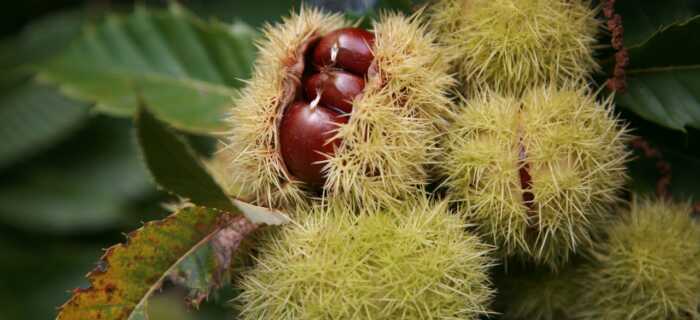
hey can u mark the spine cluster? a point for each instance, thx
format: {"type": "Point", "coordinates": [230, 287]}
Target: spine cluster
{"type": "Point", "coordinates": [646, 266]}
{"type": "Point", "coordinates": [508, 46]}
{"type": "Point", "coordinates": [412, 262]}
{"type": "Point", "coordinates": [538, 173]}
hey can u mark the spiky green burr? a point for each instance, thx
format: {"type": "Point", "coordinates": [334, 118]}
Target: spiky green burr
{"type": "Point", "coordinates": [510, 45]}
{"type": "Point", "coordinates": [535, 174]}
{"type": "Point", "coordinates": [647, 267]}
{"type": "Point", "coordinates": [390, 139]}
{"type": "Point", "coordinates": [414, 263]}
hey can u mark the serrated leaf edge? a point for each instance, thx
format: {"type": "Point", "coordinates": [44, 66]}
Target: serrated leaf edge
{"type": "Point", "coordinates": [103, 263]}
{"type": "Point", "coordinates": [188, 151]}
{"type": "Point", "coordinates": [175, 10]}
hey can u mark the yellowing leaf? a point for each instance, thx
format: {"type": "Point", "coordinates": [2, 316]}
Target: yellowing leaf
{"type": "Point", "coordinates": [128, 274]}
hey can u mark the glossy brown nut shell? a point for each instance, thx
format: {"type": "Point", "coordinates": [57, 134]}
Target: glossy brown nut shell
{"type": "Point", "coordinates": [338, 89]}
{"type": "Point", "coordinates": [352, 47]}
{"type": "Point", "coordinates": [305, 139]}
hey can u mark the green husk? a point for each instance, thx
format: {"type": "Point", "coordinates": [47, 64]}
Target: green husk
{"type": "Point", "coordinates": [647, 267]}
{"type": "Point", "coordinates": [508, 46]}
{"type": "Point", "coordinates": [572, 146]}
{"type": "Point", "coordinates": [413, 263]}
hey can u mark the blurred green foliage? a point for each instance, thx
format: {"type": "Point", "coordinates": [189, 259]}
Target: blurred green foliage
{"type": "Point", "coordinates": [71, 181]}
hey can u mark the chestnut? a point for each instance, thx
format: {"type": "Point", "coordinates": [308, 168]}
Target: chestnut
{"type": "Point", "coordinates": [347, 48]}
{"type": "Point", "coordinates": [386, 144]}
{"type": "Point", "coordinates": [306, 139]}
{"type": "Point", "coordinates": [337, 88]}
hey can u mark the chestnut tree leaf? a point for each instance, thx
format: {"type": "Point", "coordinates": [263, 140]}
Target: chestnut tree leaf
{"type": "Point", "coordinates": [46, 37]}
{"type": "Point", "coordinates": [185, 69]}
{"type": "Point", "coordinates": [663, 78]}
{"type": "Point", "coordinates": [128, 274]}
{"type": "Point", "coordinates": [175, 166]}
{"type": "Point", "coordinates": [33, 117]}
{"type": "Point", "coordinates": [92, 181]}
{"type": "Point", "coordinates": [642, 19]}
{"type": "Point", "coordinates": [208, 269]}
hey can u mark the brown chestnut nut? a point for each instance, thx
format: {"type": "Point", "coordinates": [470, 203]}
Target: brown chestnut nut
{"type": "Point", "coordinates": [337, 88]}
{"type": "Point", "coordinates": [348, 48]}
{"type": "Point", "coordinates": [305, 140]}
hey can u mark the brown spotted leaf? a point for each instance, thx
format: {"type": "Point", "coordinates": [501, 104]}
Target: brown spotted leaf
{"type": "Point", "coordinates": [128, 274]}
{"type": "Point", "coordinates": [208, 269]}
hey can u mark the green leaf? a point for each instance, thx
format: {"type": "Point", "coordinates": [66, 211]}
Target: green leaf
{"type": "Point", "coordinates": [47, 36]}
{"type": "Point", "coordinates": [663, 79]}
{"type": "Point", "coordinates": [169, 306]}
{"type": "Point", "coordinates": [186, 70]}
{"type": "Point", "coordinates": [42, 39]}
{"type": "Point", "coordinates": [175, 167]}
{"type": "Point", "coordinates": [92, 181]}
{"type": "Point", "coordinates": [208, 269]}
{"type": "Point", "coordinates": [33, 117]}
{"type": "Point", "coordinates": [128, 274]}
{"type": "Point", "coordinates": [642, 19]}
{"type": "Point", "coordinates": [141, 311]}
{"type": "Point", "coordinates": [199, 273]}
